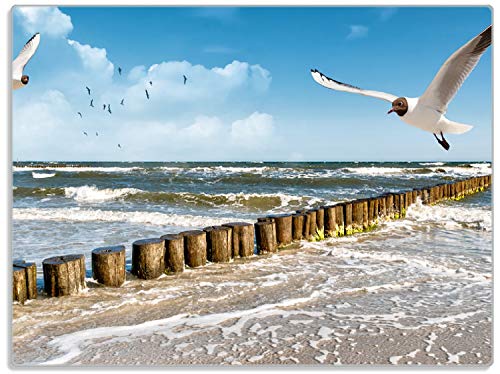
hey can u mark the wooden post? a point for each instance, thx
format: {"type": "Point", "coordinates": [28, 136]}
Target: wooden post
{"type": "Point", "coordinates": [414, 195]}
{"type": "Point", "coordinates": [397, 206]}
{"type": "Point", "coordinates": [339, 220]}
{"type": "Point", "coordinates": [174, 253]}
{"type": "Point", "coordinates": [284, 231]}
{"type": "Point", "coordinates": [312, 222]}
{"type": "Point", "coordinates": [364, 204]}
{"type": "Point", "coordinates": [108, 265]}
{"type": "Point", "coordinates": [64, 275]}
{"type": "Point", "coordinates": [298, 226]}
{"type": "Point", "coordinates": [348, 218]}
{"type": "Point", "coordinates": [265, 238]}
{"type": "Point", "coordinates": [372, 212]}
{"type": "Point", "coordinates": [243, 238]}
{"type": "Point", "coordinates": [195, 248]}
{"type": "Point", "coordinates": [482, 183]}
{"type": "Point", "coordinates": [148, 258]}
{"type": "Point", "coordinates": [218, 245]}
{"type": "Point", "coordinates": [402, 205]}
{"type": "Point", "coordinates": [357, 216]}
{"type": "Point", "coordinates": [19, 290]}
{"type": "Point", "coordinates": [320, 219]}
{"type": "Point", "coordinates": [30, 270]}
{"type": "Point", "coordinates": [408, 199]}
{"type": "Point", "coordinates": [329, 220]}
{"type": "Point", "coordinates": [382, 212]}
{"type": "Point", "coordinates": [389, 205]}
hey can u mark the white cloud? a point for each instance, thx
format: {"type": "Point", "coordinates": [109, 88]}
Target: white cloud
{"type": "Point", "coordinates": [254, 131]}
{"type": "Point", "coordinates": [94, 60]}
{"type": "Point", "coordinates": [46, 20]}
{"type": "Point", "coordinates": [357, 31]}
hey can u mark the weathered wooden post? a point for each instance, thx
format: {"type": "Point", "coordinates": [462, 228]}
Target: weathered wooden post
{"type": "Point", "coordinates": [389, 205]}
{"type": "Point", "coordinates": [218, 246]}
{"type": "Point", "coordinates": [174, 253]}
{"type": "Point", "coordinates": [402, 205]}
{"type": "Point", "coordinates": [148, 258]}
{"type": "Point", "coordinates": [311, 214]}
{"type": "Point", "coordinates": [348, 218]}
{"type": "Point", "coordinates": [320, 219]}
{"type": "Point", "coordinates": [329, 220]}
{"type": "Point", "coordinates": [284, 231]}
{"type": "Point", "coordinates": [265, 238]}
{"type": "Point", "coordinates": [357, 216]}
{"type": "Point", "coordinates": [306, 233]}
{"type": "Point", "coordinates": [397, 206]}
{"type": "Point", "coordinates": [382, 212]}
{"type": "Point", "coordinates": [64, 275]}
{"type": "Point", "coordinates": [30, 270]}
{"type": "Point", "coordinates": [339, 220]}
{"type": "Point", "coordinates": [195, 248]}
{"type": "Point", "coordinates": [19, 289]}
{"type": "Point", "coordinates": [408, 199]}
{"type": "Point", "coordinates": [243, 238]}
{"type": "Point", "coordinates": [425, 195]}
{"type": "Point", "coordinates": [414, 195]}
{"type": "Point", "coordinates": [364, 203]}
{"type": "Point", "coordinates": [108, 265]}
{"type": "Point", "coordinates": [482, 183]}
{"type": "Point", "coordinates": [298, 226]}
{"type": "Point", "coordinates": [373, 212]}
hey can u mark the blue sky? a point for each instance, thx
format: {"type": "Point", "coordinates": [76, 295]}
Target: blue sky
{"type": "Point", "coordinates": [249, 94]}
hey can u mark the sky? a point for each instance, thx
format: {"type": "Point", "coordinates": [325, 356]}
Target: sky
{"type": "Point", "coordinates": [249, 94]}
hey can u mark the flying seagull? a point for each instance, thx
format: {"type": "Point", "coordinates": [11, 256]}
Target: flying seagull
{"type": "Point", "coordinates": [18, 78]}
{"type": "Point", "coordinates": [150, 83]}
{"type": "Point", "coordinates": [119, 146]}
{"type": "Point", "coordinates": [96, 133]}
{"type": "Point", "coordinates": [80, 114]}
{"type": "Point", "coordinates": [185, 79]}
{"type": "Point", "coordinates": [109, 109]}
{"type": "Point", "coordinates": [119, 70]}
{"type": "Point", "coordinates": [84, 133]}
{"type": "Point", "coordinates": [147, 94]}
{"type": "Point", "coordinates": [427, 112]}
{"type": "Point", "coordinates": [92, 103]}
{"type": "Point", "coordinates": [103, 106]}
{"type": "Point", "coordinates": [121, 102]}
{"type": "Point", "coordinates": [88, 90]}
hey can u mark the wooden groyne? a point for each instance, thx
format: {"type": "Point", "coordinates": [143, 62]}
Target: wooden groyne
{"type": "Point", "coordinates": [171, 253]}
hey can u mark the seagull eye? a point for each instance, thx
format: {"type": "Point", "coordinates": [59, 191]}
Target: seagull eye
{"type": "Point", "coordinates": [400, 103]}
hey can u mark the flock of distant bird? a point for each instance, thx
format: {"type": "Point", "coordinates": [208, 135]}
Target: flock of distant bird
{"type": "Point", "coordinates": [122, 102]}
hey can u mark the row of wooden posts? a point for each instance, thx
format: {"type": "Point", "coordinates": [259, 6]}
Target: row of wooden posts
{"type": "Point", "coordinates": [169, 254]}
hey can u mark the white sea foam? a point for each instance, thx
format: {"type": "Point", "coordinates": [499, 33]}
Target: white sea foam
{"type": "Point", "coordinates": [93, 194]}
{"type": "Point", "coordinates": [42, 175]}
{"type": "Point", "coordinates": [88, 215]}
{"type": "Point", "coordinates": [78, 169]}
{"type": "Point", "coordinates": [431, 163]}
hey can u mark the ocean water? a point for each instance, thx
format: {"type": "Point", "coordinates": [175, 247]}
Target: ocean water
{"type": "Point", "coordinates": [428, 274]}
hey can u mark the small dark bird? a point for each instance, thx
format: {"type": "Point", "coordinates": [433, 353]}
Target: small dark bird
{"type": "Point", "coordinates": [150, 83]}
{"type": "Point", "coordinates": [84, 133]}
{"type": "Point", "coordinates": [96, 134]}
{"type": "Point", "coordinates": [121, 102]}
{"type": "Point", "coordinates": [119, 70]}
{"type": "Point", "coordinates": [88, 89]}
{"type": "Point", "coordinates": [185, 79]}
{"type": "Point", "coordinates": [119, 146]}
{"type": "Point", "coordinates": [147, 94]}
{"type": "Point", "coordinates": [109, 109]}
{"type": "Point", "coordinates": [103, 106]}
{"type": "Point", "coordinates": [80, 114]}
{"type": "Point", "coordinates": [92, 103]}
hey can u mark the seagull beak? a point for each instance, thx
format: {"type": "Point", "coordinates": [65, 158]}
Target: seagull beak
{"type": "Point", "coordinates": [390, 111]}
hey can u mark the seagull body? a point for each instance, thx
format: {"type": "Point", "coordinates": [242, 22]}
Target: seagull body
{"type": "Point", "coordinates": [427, 112]}
{"type": "Point", "coordinates": [20, 80]}
{"type": "Point", "coordinates": [88, 90]}
{"type": "Point", "coordinates": [147, 94]}
{"type": "Point", "coordinates": [109, 108]}
{"type": "Point", "coordinates": [84, 133]}
{"type": "Point", "coordinates": [119, 70]}
{"type": "Point", "coordinates": [96, 133]}
{"type": "Point", "coordinates": [80, 114]}
{"type": "Point", "coordinates": [121, 102]}
{"type": "Point", "coordinates": [119, 146]}
{"type": "Point", "coordinates": [150, 83]}
{"type": "Point", "coordinates": [92, 103]}
{"type": "Point", "coordinates": [185, 79]}
{"type": "Point", "coordinates": [103, 106]}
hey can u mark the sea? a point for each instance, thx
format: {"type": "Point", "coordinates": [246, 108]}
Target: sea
{"type": "Point", "coordinates": [428, 276]}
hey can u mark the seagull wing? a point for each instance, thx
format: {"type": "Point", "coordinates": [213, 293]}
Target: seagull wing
{"type": "Point", "coordinates": [454, 71]}
{"type": "Point", "coordinates": [339, 86]}
{"type": "Point", "coordinates": [24, 56]}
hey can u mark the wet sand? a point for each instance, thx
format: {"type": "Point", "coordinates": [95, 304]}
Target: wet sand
{"type": "Point", "coordinates": [302, 306]}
